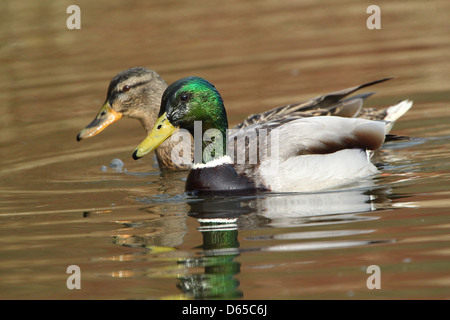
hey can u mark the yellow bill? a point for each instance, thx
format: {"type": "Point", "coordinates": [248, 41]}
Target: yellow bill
{"type": "Point", "coordinates": [160, 132]}
{"type": "Point", "coordinates": [104, 118]}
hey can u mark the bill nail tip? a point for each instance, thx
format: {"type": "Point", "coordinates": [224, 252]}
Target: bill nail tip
{"type": "Point", "coordinates": [135, 156]}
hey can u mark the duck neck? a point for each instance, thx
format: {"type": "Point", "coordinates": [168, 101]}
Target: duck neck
{"type": "Point", "coordinates": [214, 144]}
{"type": "Point", "coordinates": [212, 139]}
{"type": "Point", "coordinates": [149, 120]}
{"type": "Point", "coordinates": [149, 107]}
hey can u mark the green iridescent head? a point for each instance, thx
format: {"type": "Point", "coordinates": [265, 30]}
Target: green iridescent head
{"type": "Point", "coordinates": [194, 99]}
{"type": "Point", "coordinates": [185, 102]}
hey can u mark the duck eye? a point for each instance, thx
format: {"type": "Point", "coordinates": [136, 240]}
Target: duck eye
{"type": "Point", "coordinates": [126, 88]}
{"type": "Point", "coordinates": [184, 96]}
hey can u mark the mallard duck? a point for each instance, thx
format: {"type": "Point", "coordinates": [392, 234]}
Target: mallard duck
{"type": "Point", "coordinates": [136, 93]}
{"type": "Point", "coordinates": [306, 154]}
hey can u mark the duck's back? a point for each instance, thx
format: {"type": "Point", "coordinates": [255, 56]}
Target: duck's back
{"type": "Point", "coordinates": [312, 153]}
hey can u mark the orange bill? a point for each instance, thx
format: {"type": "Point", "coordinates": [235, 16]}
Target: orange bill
{"type": "Point", "coordinates": [104, 118]}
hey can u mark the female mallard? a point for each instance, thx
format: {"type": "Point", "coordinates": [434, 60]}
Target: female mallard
{"type": "Point", "coordinates": [136, 93]}
{"type": "Point", "coordinates": [306, 154]}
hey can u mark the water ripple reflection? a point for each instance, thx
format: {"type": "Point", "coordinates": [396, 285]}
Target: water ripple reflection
{"type": "Point", "coordinates": [210, 269]}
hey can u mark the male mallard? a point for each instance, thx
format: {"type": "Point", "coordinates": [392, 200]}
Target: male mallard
{"type": "Point", "coordinates": [136, 93]}
{"type": "Point", "coordinates": [310, 154]}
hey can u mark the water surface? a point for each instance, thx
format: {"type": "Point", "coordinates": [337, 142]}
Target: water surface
{"type": "Point", "coordinates": [136, 235]}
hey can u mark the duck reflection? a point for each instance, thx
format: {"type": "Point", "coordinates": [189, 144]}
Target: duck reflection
{"type": "Point", "coordinates": [221, 218]}
{"type": "Point", "coordinates": [288, 210]}
{"type": "Point", "coordinates": [212, 272]}
{"type": "Point", "coordinates": [218, 225]}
